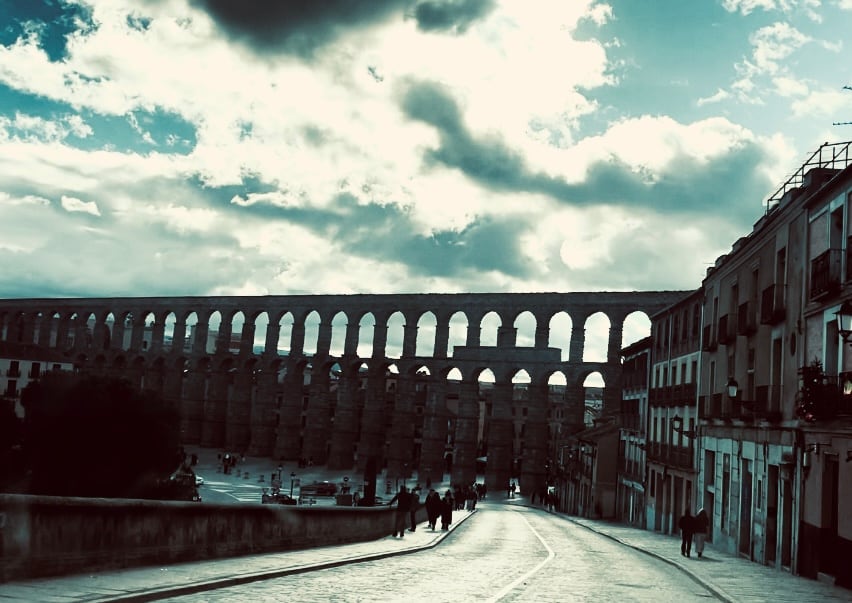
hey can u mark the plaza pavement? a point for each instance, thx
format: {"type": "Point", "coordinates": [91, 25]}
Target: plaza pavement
{"type": "Point", "coordinates": [730, 578]}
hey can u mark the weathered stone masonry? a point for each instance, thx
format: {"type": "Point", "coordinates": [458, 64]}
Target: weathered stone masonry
{"type": "Point", "coordinates": [241, 400]}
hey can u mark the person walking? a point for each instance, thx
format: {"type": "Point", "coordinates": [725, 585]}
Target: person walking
{"type": "Point", "coordinates": [403, 505]}
{"type": "Point", "coordinates": [433, 507]}
{"type": "Point", "coordinates": [447, 505]}
{"type": "Point", "coordinates": [415, 505]}
{"type": "Point", "coordinates": [702, 524]}
{"type": "Point", "coordinates": [687, 527]}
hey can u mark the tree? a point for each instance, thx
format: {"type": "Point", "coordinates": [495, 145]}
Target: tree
{"type": "Point", "coordinates": [97, 436]}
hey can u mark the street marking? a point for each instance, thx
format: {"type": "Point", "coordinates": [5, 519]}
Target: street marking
{"type": "Point", "coordinates": [513, 585]}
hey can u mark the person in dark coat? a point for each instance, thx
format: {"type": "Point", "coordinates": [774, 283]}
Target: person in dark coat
{"type": "Point", "coordinates": [447, 505]}
{"type": "Point", "coordinates": [433, 507]}
{"type": "Point", "coordinates": [702, 523]}
{"type": "Point", "coordinates": [687, 527]}
{"type": "Point", "coordinates": [403, 505]}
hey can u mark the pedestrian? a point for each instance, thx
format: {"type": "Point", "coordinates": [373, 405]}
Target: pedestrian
{"type": "Point", "coordinates": [702, 524]}
{"type": "Point", "coordinates": [433, 507]}
{"type": "Point", "coordinates": [403, 505]}
{"type": "Point", "coordinates": [447, 510]}
{"type": "Point", "coordinates": [512, 489]}
{"type": "Point", "coordinates": [415, 505]}
{"type": "Point", "coordinates": [687, 527]}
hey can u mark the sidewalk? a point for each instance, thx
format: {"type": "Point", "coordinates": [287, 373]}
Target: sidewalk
{"type": "Point", "coordinates": [153, 583]}
{"type": "Point", "coordinates": [733, 579]}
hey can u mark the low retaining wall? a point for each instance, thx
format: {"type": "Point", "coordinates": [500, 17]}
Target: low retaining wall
{"type": "Point", "coordinates": [45, 536]}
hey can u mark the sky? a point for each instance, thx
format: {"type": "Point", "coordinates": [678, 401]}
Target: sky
{"type": "Point", "coordinates": [210, 147]}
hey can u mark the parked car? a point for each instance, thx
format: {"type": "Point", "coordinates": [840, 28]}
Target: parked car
{"type": "Point", "coordinates": [279, 499]}
{"type": "Point", "coordinates": [319, 489]}
{"type": "Point", "coordinates": [199, 481]}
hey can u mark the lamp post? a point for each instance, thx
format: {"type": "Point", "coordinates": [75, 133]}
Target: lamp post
{"type": "Point", "coordinates": [677, 427]}
{"type": "Point", "coordinates": [844, 321]}
{"type": "Point", "coordinates": [292, 481]}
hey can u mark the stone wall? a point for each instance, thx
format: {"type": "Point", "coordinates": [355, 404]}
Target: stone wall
{"type": "Point", "coordinates": [47, 536]}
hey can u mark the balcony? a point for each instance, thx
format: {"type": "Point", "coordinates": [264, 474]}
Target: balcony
{"type": "Point", "coordinates": [726, 329]}
{"type": "Point", "coordinates": [825, 273]}
{"type": "Point", "coordinates": [746, 319]}
{"type": "Point", "coordinates": [824, 397]}
{"type": "Point", "coordinates": [771, 305]}
{"type": "Point", "coordinates": [13, 372]}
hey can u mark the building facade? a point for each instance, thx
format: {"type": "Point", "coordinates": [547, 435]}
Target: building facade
{"type": "Point", "coordinates": [673, 413]}
{"type": "Point", "coordinates": [633, 421]}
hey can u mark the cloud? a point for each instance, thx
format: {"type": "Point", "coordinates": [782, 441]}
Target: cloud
{"type": "Point", "coordinates": [72, 204]}
{"type": "Point", "coordinates": [745, 7]}
{"type": "Point", "coordinates": [676, 181]}
{"type": "Point", "coordinates": [719, 96]}
{"type": "Point", "coordinates": [453, 16]}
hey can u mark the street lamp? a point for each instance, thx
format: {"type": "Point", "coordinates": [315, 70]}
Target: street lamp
{"type": "Point", "coordinates": [292, 481]}
{"type": "Point", "coordinates": [677, 427]}
{"type": "Point", "coordinates": [844, 321]}
{"type": "Point", "coordinates": [733, 388]}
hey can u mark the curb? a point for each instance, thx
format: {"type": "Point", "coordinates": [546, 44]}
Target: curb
{"type": "Point", "coordinates": [715, 590]}
{"type": "Point", "coordinates": [215, 584]}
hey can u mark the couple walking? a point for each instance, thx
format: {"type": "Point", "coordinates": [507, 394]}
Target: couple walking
{"type": "Point", "coordinates": [693, 527]}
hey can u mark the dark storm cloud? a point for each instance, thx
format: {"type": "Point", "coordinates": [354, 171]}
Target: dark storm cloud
{"type": "Point", "coordinates": [451, 15]}
{"type": "Point", "coordinates": [731, 183]}
{"type": "Point", "coordinates": [381, 231]}
{"type": "Point", "coordinates": [300, 27]}
{"type": "Point", "coordinates": [296, 26]}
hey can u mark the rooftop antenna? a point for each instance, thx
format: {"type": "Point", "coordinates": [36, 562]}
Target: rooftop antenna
{"type": "Point", "coordinates": [843, 123]}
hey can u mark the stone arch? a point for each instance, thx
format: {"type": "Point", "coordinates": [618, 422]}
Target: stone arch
{"type": "Point", "coordinates": [395, 335]}
{"type": "Point", "coordinates": [458, 327]}
{"type": "Point", "coordinates": [525, 325]}
{"type": "Point", "coordinates": [489, 328]}
{"type": "Point", "coordinates": [597, 328]}
{"type": "Point", "coordinates": [366, 334]}
{"type": "Point", "coordinates": [426, 332]}
{"type": "Point", "coordinates": [339, 324]}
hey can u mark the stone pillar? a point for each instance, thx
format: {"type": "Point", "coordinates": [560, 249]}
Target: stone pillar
{"type": "Point", "coordinates": [215, 409]}
{"type": "Point", "coordinates": [100, 335]}
{"type": "Point", "coordinates": [324, 338]}
{"type": "Point", "coordinates": [273, 330]}
{"type": "Point", "coordinates": [317, 422]}
{"type": "Point", "coordinates": [467, 431]}
{"type": "Point", "coordinates": [344, 431]}
{"type": "Point", "coordinates": [507, 337]}
{"type": "Point", "coordinates": [238, 414]}
{"type": "Point", "coordinates": [118, 329]}
{"type": "Point", "coordinates": [202, 328]}
{"type": "Point", "coordinates": [264, 418]}
{"type": "Point", "coordinates": [409, 341]}
{"type": "Point", "coordinates": [158, 334]}
{"type": "Point", "coordinates": [297, 338]}
{"type": "Point", "coordinates": [380, 339]}
{"type": "Point", "coordinates": [578, 341]}
{"type": "Point", "coordinates": [575, 409]}
{"type": "Point", "coordinates": [613, 349]}
{"type": "Point", "coordinates": [223, 336]}
{"type": "Point", "coordinates": [400, 457]}
{"type": "Point", "coordinates": [179, 336]}
{"type": "Point", "coordinates": [501, 432]}
{"type": "Point", "coordinates": [287, 444]}
{"type": "Point", "coordinates": [542, 335]}
{"type": "Point", "coordinates": [474, 332]}
{"type": "Point", "coordinates": [442, 337]}
{"type": "Point", "coordinates": [534, 473]}
{"type": "Point", "coordinates": [350, 343]}
{"type": "Point", "coordinates": [137, 333]}
{"type": "Point", "coordinates": [373, 421]}
{"type": "Point", "coordinates": [434, 432]}
{"type": "Point", "coordinates": [247, 339]}
{"type": "Point", "coordinates": [192, 403]}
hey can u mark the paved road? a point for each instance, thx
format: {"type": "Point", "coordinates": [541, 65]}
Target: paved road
{"type": "Point", "coordinates": [502, 553]}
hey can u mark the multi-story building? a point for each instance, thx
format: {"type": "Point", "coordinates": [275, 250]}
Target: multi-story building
{"type": "Point", "coordinates": [672, 412]}
{"type": "Point", "coordinates": [768, 313]}
{"type": "Point", "coordinates": [824, 401]}
{"type": "Point", "coordinates": [630, 494]}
